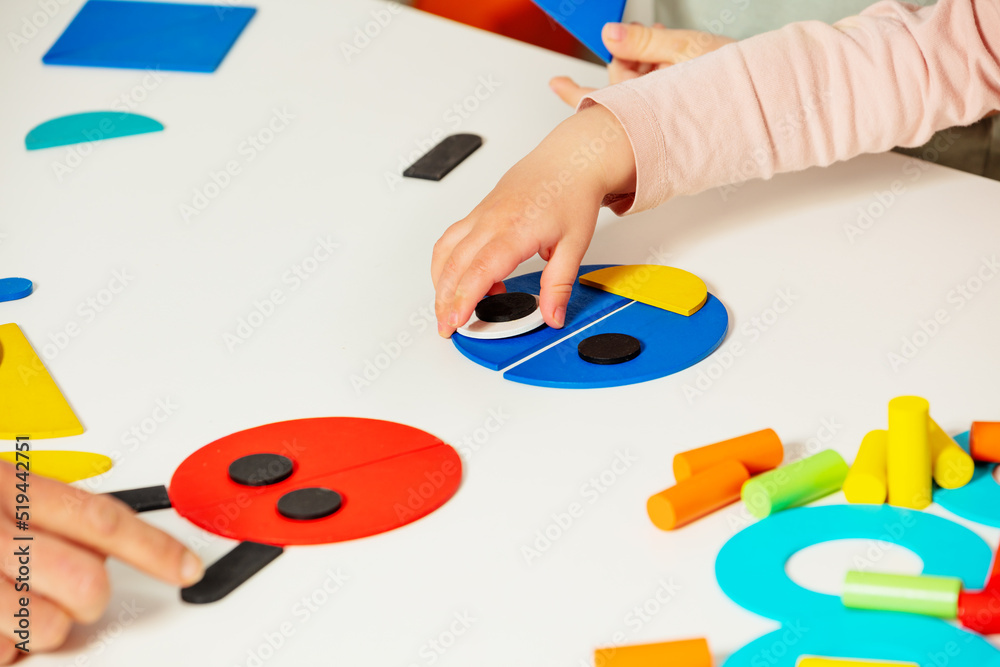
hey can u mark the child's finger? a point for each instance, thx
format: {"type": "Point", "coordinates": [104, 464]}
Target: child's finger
{"type": "Point", "coordinates": [50, 625]}
{"type": "Point", "coordinates": [444, 247]}
{"type": "Point", "coordinates": [558, 278]}
{"type": "Point", "coordinates": [657, 45]}
{"type": "Point", "coordinates": [494, 262]}
{"type": "Point", "coordinates": [622, 70]}
{"type": "Point", "coordinates": [453, 268]}
{"type": "Point", "coordinates": [568, 90]}
{"type": "Point", "coordinates": [108, 526]}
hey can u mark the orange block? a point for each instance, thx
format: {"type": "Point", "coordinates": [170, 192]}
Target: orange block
{"type": "Point", "coordinates": [685, 653]}
{"type": "Point", "coordinates": [697, 496]}
{"type": "Point", "coordinates": [758, 452]}
{"type": "Point", "coordinates": [984, 441]}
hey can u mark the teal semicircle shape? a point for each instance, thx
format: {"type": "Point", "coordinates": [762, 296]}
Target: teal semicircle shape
{"type": "Point", "coordinates": [86, 127]}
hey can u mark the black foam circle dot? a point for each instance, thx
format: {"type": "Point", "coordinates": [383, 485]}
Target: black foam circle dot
{"type": "Point", "coordinates": [609, 348]}
{"type": "Point", "coordinates": [506, 307]}
{"type": "Point", "coordinates": [309, 503]}
{"type": "Point", "coordinates": [260, 469]}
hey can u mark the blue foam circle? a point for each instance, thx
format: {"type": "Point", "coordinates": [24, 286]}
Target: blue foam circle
{"type": "Point", "coordinates": [12, 289]}
{"type": "Point", "coordinates": [979, 500]}
{"type": "Point", "coordinates": [751, 570]}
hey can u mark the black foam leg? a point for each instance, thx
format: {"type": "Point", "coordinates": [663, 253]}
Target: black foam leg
{"type": "Point", "coordinates": [226, 574]}
{"type": "Point", "coordinates": [145, 499]}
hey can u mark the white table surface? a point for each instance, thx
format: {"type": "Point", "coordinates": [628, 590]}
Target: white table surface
{"type": "Point", "coordinates": [822, 361]}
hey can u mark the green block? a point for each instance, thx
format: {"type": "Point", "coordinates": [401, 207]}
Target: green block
{"type": "Point", "coordinates": [801, 482]}
{"type": "Point", "coordinates": [930, 596]}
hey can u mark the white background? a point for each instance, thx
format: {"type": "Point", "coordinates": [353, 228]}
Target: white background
{"type": "Point", "coordinates": [824, 361]}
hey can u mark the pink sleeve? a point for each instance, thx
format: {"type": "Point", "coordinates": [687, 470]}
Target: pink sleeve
{"type": "Point", "coordinates": [808, 94]}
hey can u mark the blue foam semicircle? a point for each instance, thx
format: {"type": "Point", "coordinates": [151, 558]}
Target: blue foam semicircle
{"type": "Point", "coordinates": [91, 126]}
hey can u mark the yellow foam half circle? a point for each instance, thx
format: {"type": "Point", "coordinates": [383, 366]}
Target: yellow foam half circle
{"type": "Point", "coordinates": [664, 287]}
{"type": "Point", "coordinates": [31, 404]}
{"type": "Point", "coordinates": [63, 466]}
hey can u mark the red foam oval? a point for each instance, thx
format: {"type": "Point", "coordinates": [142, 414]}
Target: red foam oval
{"type": "Point", "coordinates": [388, 474]}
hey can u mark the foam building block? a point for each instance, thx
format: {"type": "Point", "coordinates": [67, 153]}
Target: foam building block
{"type": "Point", "coordinates": [979, 500]}
{"type": "Point", "coordinates": [697, 496]}
{"type": "Point", "coordinates": [951, 465]}
{"type": "Point", "coordinates": [66, 467]}
{"type": "Point", "coordinates": [984, 441]}
{"type": "Point", "coordinates": [687, 652]}
{"type": "Point", "coordinates": [150, 35]}
{"type": "Point", "coordinates": [837, 662]}
{"type": "Point", "coordinates": [866, 482]}
{"type": "Point", "coordinates": [759, 452]}
{"type": "Point", "coordinates": [908, 453]}
{"type": "Point", "coordinates": [226, 574]}
{"type": "Point", "coordinates": [586, 305]}
{"type": "Point", "coordinates": [146, 499]}
{"type": "Point", "coordinates": [585, 20]}
{"type": "Point", "coordinates": [670, 343]}
{"type": "Point", "coordinates": [752, 571]}
{"type": "Point", "coordinates": [801, 482]}
{"type": "Point", "coordinates": [387, 475]}
{"type": "Point", "coordinates": [85, 127]}
{"type": "Point", "coordinates": [665, 287]}
{"type": "Point", "coordinates": [482, 329]}
{"type": "Point", "coordinates": [33, 406]}
{"type": "Point", "coordinates": [926, 595]}
{"type": "Point", "coordinates": [12, 289]}
{"type": "Point", "coordinates": [440, 160]}
{"type": "Point", "coordinates": [980, 611]}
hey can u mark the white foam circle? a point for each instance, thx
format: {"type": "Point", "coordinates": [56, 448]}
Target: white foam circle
{"type": "Point", "coordinates": [476, 328]}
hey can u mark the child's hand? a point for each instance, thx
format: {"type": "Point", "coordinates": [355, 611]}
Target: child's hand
{"type": "Point", "coordinates": [74, 532]}
{"type": "Point", "coordinates": [638, 50]}
{"type": "Point", "coordinates": [546, 204]}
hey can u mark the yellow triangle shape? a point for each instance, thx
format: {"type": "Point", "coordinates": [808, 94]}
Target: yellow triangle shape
{"type": "Point", "coordinates": [31, 404]}
{"type": "Point", "coordinates": [64, 466]}
{"type": "Point", "coordinates": [664, 287]}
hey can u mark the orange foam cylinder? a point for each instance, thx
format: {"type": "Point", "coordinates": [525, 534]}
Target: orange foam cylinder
{"type": "Point", "coordinates": [758, 452]}
{"type": "Point", "coordinates": [984, 441]}
{"type": "Point", "coordinates": [697, 496]}
{"type": "Point", "coordinates": [686, 653]}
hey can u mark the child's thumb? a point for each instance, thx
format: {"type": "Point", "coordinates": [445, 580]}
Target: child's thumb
{"type": "Point", "coordinates": [639, 43]}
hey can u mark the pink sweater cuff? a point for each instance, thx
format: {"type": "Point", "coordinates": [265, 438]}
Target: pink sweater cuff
{"type": "Point", "coordinates": [808, 94]}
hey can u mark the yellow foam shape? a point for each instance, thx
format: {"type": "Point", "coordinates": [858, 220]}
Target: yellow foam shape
{"type": "Point", "coordinates": [832, 662]}
{"type": "Point", "coordinates": [31, 404]}
{"type": "Point", "coordinates": [953, 468]}
{"type": "Point", "coordinates": [664, 287]}
{"type": "Point", "coordinates": [908, 453]}
{"type": "Point", "coordinates": [866, 482]}
{"type": "Point", "coordinates": [64, 466]}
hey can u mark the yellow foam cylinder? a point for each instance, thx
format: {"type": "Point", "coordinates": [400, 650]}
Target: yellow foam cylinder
{"type": "Point", "coordinates": [866, 482]}
{"type": "Point", "coordinates": [834, 662]}
{"type": "Point", "coordinates": [952, 467]}
{"type": "Point", "coordinates": [908, 454]}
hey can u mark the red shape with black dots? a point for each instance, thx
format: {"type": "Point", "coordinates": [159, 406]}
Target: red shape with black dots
{"type": "Point", "coordinates": [385, 475]}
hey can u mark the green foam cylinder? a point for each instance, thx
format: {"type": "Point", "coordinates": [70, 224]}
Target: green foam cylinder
{"type": "Point", "coordinates": [930, 596]}
{"type": "Point", "coordinates": [797, 484]}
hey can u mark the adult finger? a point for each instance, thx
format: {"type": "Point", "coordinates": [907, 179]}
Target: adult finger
{"type": "Point", "coordinates": [66, 574]}
{"type": "Point", "coordinates": [108, 526]}
{"type": "Point", "coordinates": [49, 623]}
{"type": "Point", "coordinates": [568, 90]}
